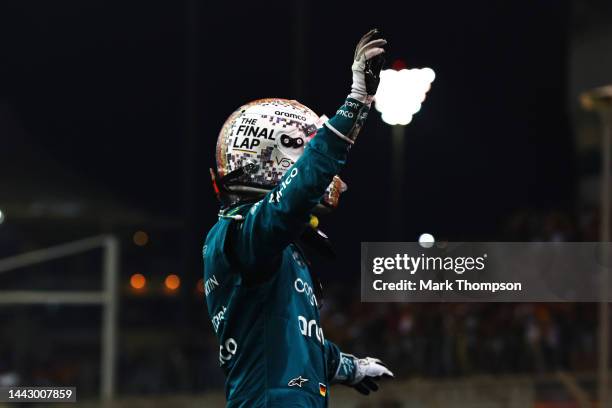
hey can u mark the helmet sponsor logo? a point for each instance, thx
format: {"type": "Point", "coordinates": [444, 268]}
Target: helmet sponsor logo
{"type": "Point", "coordinates": [284, 162]}
{"type": "Point", "coordinates": [310, 327]}
{"type": "Point", "coordinates": [290, 115]}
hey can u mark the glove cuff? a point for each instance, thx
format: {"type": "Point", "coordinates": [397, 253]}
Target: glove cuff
{"type": "Point", "coordinates": [350, 118]}
{"type": "Point", "coordinates": [347, 368]}
{"type": "Point", "coordinates": [358, 88]}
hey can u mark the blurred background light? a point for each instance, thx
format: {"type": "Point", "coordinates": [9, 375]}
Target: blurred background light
{"type": "Point", "coordinates": [172, 282]}
{"type": "Point", "coordinates": [426, 240]}
{"type": "Point", "coordinates": [1, 217]}
{"type": "Point", "coordinates": [138, 281]}
{"type": "Point", "coordinates": [200, 286]}
{"type": "Point", "coordinates": [140, 238]}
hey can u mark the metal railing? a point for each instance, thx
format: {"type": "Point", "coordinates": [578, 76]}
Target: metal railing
{"type": "Point", "coordinates": [107, 297]}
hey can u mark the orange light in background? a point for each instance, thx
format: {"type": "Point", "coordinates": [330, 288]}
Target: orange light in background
{"type": "Point", "coordinates": [172, 282]}
{"type": "Point", "coordinates": [140, 238]}
{"type": "Point", "coordinates": [138, 281]}
{"type": "Point", "coordinates": [200, 286]}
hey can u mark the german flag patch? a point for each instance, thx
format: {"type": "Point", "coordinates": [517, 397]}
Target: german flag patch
{"type": "Point", "coordinates": [322, 389]}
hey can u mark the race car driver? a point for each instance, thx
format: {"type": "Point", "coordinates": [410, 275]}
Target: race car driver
{"type": "Point", "coordinates": [277, 166]}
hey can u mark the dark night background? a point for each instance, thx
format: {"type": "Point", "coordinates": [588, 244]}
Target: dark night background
{"type": "Point", "coordinates": [124, 100]}
{"type": "Point", "coordinates": [102, 88]}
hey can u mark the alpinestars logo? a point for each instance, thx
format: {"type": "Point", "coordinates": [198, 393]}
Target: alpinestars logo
{"type": "Point", "coordinates": [297, 382]}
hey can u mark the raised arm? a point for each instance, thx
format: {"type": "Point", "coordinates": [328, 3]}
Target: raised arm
{"type": "Point", "coordinates": [281, 216]}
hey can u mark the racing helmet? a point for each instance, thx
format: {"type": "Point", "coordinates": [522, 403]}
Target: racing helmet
{"type": "Point", "coordinates": [258, 143]}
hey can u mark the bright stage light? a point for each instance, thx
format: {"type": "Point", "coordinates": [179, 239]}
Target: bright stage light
{"type": "Point", "coordinates": [401, 93]}
{"type": "Point", "coordinates": [426, 240]}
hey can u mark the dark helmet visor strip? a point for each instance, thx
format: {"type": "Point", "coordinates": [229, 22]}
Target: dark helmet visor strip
{"type": "Point", "coordinates": [222, 182]}
{"type": "Point", "coordinates": [330, 199]}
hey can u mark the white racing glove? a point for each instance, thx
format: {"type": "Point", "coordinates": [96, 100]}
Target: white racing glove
{"type": "Point", "coordinates": [368, 61]}
{"type": "Point", "coordinates": [368, 370]}
{"type": "Point", "coordinates": [361, 373]}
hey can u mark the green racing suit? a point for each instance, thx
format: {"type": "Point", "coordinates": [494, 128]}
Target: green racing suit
{"type": "Point", "coordinates": [259, 291]}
